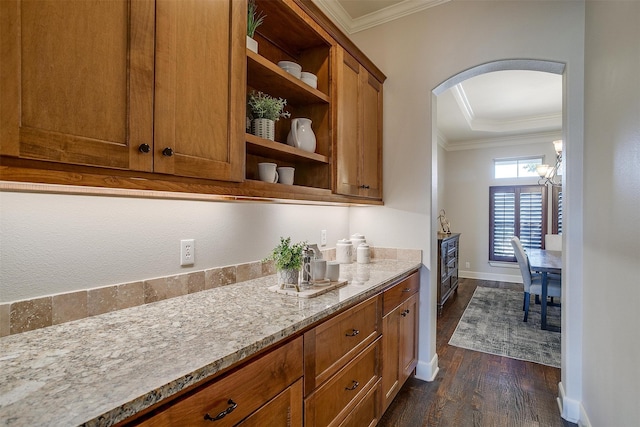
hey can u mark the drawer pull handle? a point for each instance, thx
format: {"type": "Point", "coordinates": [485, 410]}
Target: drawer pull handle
{"type": "Point", "coordinates": [404, 313]}
{"type": "Point", "coordinates": [406, 290]}
{"type": "Point", "coordinates": [353, 333]}
{"type": "Point", "coordinates": [232, 405]}
{"type": "Point", "coordinates": [354, 386]}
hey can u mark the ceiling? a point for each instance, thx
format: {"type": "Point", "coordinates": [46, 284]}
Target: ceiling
{"type": "Point", "coordinates": [488, 109]}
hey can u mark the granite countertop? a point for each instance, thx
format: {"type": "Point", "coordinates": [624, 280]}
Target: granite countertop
{"type": "Point", "coordinates": [104, 369]}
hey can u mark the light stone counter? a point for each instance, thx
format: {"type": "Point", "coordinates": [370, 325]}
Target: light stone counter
{"type": "Point", "coordinates": [103, 369]}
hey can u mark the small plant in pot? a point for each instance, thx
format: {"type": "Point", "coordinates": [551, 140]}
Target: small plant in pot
{"type": "Point", "coordinates": [254, 20]}
{"type": "Point", "coordinates": [265, 111]}
{"type": "Point", "coordinates": [288, 260]}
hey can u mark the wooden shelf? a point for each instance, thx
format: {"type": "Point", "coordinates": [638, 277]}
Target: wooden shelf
{"type": "Point", "coordinates": [266, 76]}
{"type": "Point", "coordinates": [279, 151]}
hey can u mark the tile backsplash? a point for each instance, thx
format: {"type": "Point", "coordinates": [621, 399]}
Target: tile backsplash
{"type": "Point", "coordinates": [27, 315]}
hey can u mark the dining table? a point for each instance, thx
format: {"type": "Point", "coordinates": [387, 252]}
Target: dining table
{"type": "Point", "coordinates": [545, 262]}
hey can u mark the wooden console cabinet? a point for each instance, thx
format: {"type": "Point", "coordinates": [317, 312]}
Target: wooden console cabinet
{"type": "Point", "coordinates": [448, 260]}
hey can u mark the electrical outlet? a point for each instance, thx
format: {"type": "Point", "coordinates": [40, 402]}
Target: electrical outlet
{"type": "Point", "coordinates": [323, 238]}
{"type": "Point", "coordinates": [467, 264]}
{"type": "Point", "coordinates": [187, 252]}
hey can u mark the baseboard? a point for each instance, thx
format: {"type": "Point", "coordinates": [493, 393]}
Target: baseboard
{"type": "Point", "coordinates": [427, 371]}
{"type": "Point", "coordinates": [571, 409]}
{"type": "Point", "coordinates": [490, 276]}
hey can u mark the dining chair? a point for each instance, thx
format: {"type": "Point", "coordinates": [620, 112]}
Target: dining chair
{"type": "Point", "coordinates": [553, 242]}
{"type": "Point", "coordinates": [532, 283]}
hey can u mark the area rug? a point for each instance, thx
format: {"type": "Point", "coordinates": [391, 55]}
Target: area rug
{"type": "Point", "coordinates": [492, 323]}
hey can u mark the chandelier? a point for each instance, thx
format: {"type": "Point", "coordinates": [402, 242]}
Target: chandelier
{"type": "Point", "coordinates": [549, 174]}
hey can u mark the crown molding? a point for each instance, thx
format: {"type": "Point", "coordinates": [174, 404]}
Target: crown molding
{"type": "Point", "coordinates": [503, 141]}
{"type": "Point", "coordinates": [340, 16]}
{"type": "Point", "coordinates": [515, 125]}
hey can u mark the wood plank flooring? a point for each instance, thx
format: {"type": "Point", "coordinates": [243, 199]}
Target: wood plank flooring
{"type": "Point", "coordinates": [477, 389]}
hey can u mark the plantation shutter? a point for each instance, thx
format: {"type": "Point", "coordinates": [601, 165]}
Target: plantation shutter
{"type": "Point", "coordinates": [515, 211]}
{"type": "Point", "coordinates": [556, 213]}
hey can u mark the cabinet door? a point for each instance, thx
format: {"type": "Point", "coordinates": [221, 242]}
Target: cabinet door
{"type": "Point", "coordinates": [391, 332]}
{"type": "Point", "coordinates": [409, 338]}
{"type": "Point", "coordinates": [359, 130]}
{"type": "Point", "coordinates": [371, 162]}
{"type": "Point", "coordinates": [77, 81]}
{"type": "Point", "coordinates": [199, 87]}
{"type": "Point", "coordinates": [348, 129]}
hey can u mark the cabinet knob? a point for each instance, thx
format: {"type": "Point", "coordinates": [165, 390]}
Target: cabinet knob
{"type": "Point", "coordinates": [406, 290]}
{"type": "Point", "coordinates": [404, 313]}
{"type": "Point", "coordinates": [144, 148]}
{"type": "Point", "coordinates": [353, 333]}
{"type": "Point", "coordinates": [232, 405]}
{"type": "Point", "coordinates": [366, 187]}
{"type": "Point", "coordinates": [167, 152]}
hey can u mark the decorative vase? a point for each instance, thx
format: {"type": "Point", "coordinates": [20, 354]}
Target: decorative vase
{"type": "Point", "coordinates": [252, 45]}
{"type": "Point", "coordinates": [288, 278]}
{"type": "Point", "coordinates": [301, 135]}
{"type": "Point", "coordinates": [264, 128]}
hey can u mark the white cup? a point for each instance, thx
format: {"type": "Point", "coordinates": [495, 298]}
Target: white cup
{"type": "Point", "coordinates": [285, 175]}
{"type": "Point", "coordinates": [267, 172]}
{"type": "Point", "coordinates": [318, 269]}
{"type": "Point", "coordinates": [333, 271]}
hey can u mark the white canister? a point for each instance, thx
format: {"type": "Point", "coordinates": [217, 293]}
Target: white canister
{"type": "Point", "coordinates": [344, 251]}
{"type": "Point", "coordinates": [356, 239]}
{"type": "Point", "coordinates": [364, 254]}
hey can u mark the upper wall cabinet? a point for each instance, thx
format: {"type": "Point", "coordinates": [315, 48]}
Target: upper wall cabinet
{"type": "Point", "coordinates": [359, 129]}
{"type": "Point", "coordinates": [289, 34]}
{"type": "Point", "coordinates": [152, 86]}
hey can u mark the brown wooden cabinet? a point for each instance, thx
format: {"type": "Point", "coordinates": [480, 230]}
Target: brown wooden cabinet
{"type": "Point", "coordinates": [399, 336]}
{"type": "Point", "coordinates": [448, 259]}
{"type": "Point", "coordinates": [342, 364]}
{"type": "Point", "coordinates": [152, 86]}
{"type": "Point", "coordinates": [267, 389]}
{"type": "Point", "coordinates": [343, 371]}
{"type": "Point", "coordinates": [289, 34]}
{"type": "Point", "coordinates": [359, 129]}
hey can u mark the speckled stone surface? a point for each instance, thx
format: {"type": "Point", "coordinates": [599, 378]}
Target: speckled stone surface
{"type": "Point", "coordinates": [103, 369]}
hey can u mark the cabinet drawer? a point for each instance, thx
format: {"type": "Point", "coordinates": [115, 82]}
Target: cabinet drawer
{"type": "Point", "coordinates": [331, 403]}
{"type": "Point", "coordinates": [284, 410]}
{"type": "Point", "coordinates": [397, 294]}
{"type": "Point", "coordinates": [367, 413]}
{"type": "Point", "coordinates": [250, 387]}
{"type": "Point", "coordinates": [329, 346]}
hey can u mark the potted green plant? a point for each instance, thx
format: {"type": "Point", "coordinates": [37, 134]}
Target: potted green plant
{"type": "Point", "coordinates": [265, 111]}
{"type": "Point", "coordinates": [254, 20]}
{"type": "Point", "coordinates": [287, 258]}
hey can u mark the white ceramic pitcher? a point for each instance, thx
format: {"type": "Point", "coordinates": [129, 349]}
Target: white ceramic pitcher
{"type": "Point", "coordinates": [301, 135]}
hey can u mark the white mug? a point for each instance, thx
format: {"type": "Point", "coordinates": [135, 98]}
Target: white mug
{"type": "Point", "coordinates": [285, 175]}
{"type": "Point", "coordinates": [333, 271]}
{"type": "Point", "coordinates": [267, 172]}
{"type": "Point", "coordinates": [318, 269]}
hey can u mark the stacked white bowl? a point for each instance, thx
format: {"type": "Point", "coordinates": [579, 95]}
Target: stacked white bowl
{"type": "Point", "coordinates": [291, 68]}
{"type": "Point", "coordinates": [310, 79]}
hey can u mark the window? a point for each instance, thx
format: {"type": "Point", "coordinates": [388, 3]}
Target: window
{"type": "Point", "coordinates": [556, 210]}
{"type": "Point", "coordinates": [519, 210]}
{"type": "Point", "coordinates": [516, 168]}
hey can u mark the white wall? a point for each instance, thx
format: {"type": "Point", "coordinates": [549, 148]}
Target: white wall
{"type": "Point", "coordinates": [469, 174]}
{"type": "Point", "coordinates": [60, 243]}
{"type": "Point", "coordinates": [611, 348]}
{"type": "Point", "coordinates": [417, 53]}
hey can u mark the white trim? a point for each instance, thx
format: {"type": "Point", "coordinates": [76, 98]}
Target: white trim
{"type": "Point", "coordinates": [427, 371]}
{"type": "Point", "coordinates": [353, 25]}
{"type": "Point", "coordinates": [476, 144]}
{"type": "Point", "coordinates": [572, 410]}
{"type": "Point", "coordinates": [481, 275]}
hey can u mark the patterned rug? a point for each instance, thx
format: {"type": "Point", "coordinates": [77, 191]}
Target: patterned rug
{"type": "Point", "coordinates": [492, 323]}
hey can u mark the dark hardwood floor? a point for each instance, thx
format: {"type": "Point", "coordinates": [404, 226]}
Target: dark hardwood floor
{"type": "Point", "coordinates": [477, 389]}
